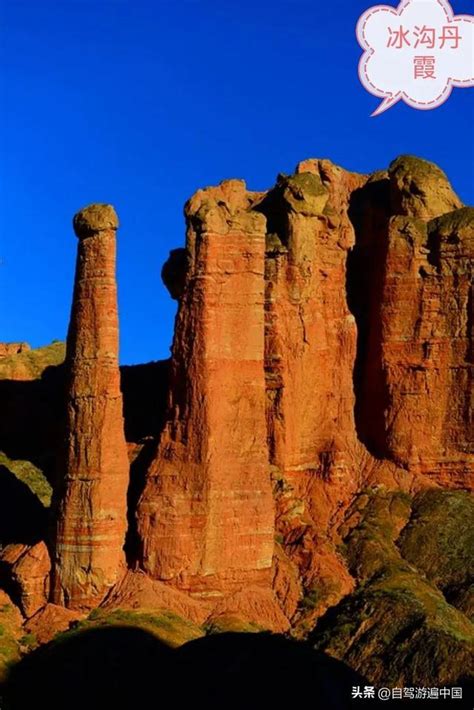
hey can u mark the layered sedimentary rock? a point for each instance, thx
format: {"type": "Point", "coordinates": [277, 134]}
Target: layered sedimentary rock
{"type": "Point", "coordinates": [310, 345]}
{"type": "Point", "coordinates": [356, 268]}
{"type": "Point", "coordinates": [94, 469]}
{"type": "Point", "coordinates": [415, 359]}
{"type": "Point", "coordinates": [206, 516]}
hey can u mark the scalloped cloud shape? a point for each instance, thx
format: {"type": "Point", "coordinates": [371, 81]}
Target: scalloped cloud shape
{"type": "Point", "coordinates": [415, 53]}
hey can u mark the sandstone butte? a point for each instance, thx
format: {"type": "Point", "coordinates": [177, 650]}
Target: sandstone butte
{"type": "Point", "coordinates": [324, 346]}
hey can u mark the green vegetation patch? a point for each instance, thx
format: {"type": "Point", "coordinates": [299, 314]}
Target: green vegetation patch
{"type": "Point", "coordinates": [415, 167]}
{"type": "Point", "coordinates": [169, 628]}
{"type": "Point", "coordinates": [439, 541]}
{"type": "Point", "coordinates": [9, 646]}
{"type": "Point", "coordinates": [32, 363]}
{"type": "Point", "coordinates": [226, 624]}
{"type": "Point", "coordinates": [397, 627]}
{"type": "Point", "coordinates": [30, 475]}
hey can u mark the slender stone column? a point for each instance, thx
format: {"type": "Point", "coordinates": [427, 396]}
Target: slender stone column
{"type": "Point", "coordinates": [94, 468]}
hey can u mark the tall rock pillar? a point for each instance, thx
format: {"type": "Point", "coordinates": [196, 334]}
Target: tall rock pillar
{"type": "Point", "coordinates": [206, 517]}
{"type": "Point", "coordinates": [94, 468]}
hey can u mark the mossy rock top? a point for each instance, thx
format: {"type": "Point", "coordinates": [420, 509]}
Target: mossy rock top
{"type": "Point", "coordinates": [95, 218]}
{"type": "Point", "coordinates": [304, 193]}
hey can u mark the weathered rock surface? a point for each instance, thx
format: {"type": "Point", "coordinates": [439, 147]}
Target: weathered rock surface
{"type": "Point", "coordinates": [91, 498]}
{"type": "Point", "coordinates": [29, 569]}
{"type": "Point", "coordinates": [50, 621]}
{"type": "Point", "coordinates": [415, 310]}
{"type": "Point", "coordinates": [7, 349]}
{"type": "Point", "coordinates": [310, 345]}
{"type": "Point", "coordinates": [206, 516]}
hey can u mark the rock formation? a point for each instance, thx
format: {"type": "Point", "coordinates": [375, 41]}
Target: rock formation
{"type": "Point", "coordinates": [7, 349]}
{"type": "Point", "coordinates": [310, 468]}
{"type": "Point", "coordinates": [206, 516]}
{"type": "Point", "coordinates": [29, 570]}
{"type": "Point", "coordinates": [416, 311]}
{"type": "Point", "coordinates": [94, 470]}
{"type": "Point", "coordinates": [310, 346]}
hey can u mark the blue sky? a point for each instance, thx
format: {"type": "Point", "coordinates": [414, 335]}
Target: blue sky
{"type": "Point", "coordinates": [139, 103]}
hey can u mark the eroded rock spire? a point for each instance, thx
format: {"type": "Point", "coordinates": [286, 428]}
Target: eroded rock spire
{"type": "Point", "coordinates": [206, 517]}
{"type": "Point", "coordinates": [94, 468]}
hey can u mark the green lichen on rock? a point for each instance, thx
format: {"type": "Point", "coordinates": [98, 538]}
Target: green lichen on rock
{"type": "Point", "coordinates": [419, 188]}
{"type": "Point", "coordinates": [30, 475]}
{"type": "Point", "coordinates": [304, 193]}
{"type": "Point", "coordinates": [397, 627]}
{"type": "Point", "coordinates": [452, 222]}
{"type": "Point", "coordinates": [95, 218]}
{"type": "Point", "coordinates": [416, 167]}
{"type": "Point", "coordinates": [371, 526]}
{"type": "Point", "coordinates": [451, 240]}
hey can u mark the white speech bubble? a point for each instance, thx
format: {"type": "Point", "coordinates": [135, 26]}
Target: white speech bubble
{"type": "Point", "coordinates": [415, 53]}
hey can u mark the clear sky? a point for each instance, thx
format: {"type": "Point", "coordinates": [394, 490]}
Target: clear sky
{"type": "Point", "coordinates": [141, 102]}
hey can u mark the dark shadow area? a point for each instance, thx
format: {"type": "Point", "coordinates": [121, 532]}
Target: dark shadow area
{"type": "Point", "coordinates": [32, 412]}
{"type": "Point", "coordinates": [23, 518]}
{"type": "Point", "coordinates": [124, 667]}
{"type": "Point", "coordinates": [115, 667]}
{"type": "Point", "coordinates": [32, 421]}
{"type": "Point", "coordinates": [31, 418]}
{"type": "Point", "coordinates": [236, 670]}
{"type": "Point", "coordinates": [369, 212]}
{"type": "Point", "coordinates": [145, 392]}
{"type": "Point", "coordinates": [138, 471]}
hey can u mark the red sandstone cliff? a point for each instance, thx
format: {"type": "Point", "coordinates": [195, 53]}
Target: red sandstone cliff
{"type": "Point", "coordinates": [366, 330]}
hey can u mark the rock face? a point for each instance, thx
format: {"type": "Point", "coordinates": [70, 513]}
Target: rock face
{"type": "Point", "coordinates": [310, 345]}
{"type": "Point", "coordinates": [94, 469]}
{"type": "Point", "coordinates": [206, 516]}
{"type": "Point", "coordinates": [416, 337]}
{"type": "Point", "coordinates": [29, 569]}
{"type": "Point", "coordinates": [7, 349]}
{"type": "Point", "coordinates": [362, 309]}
